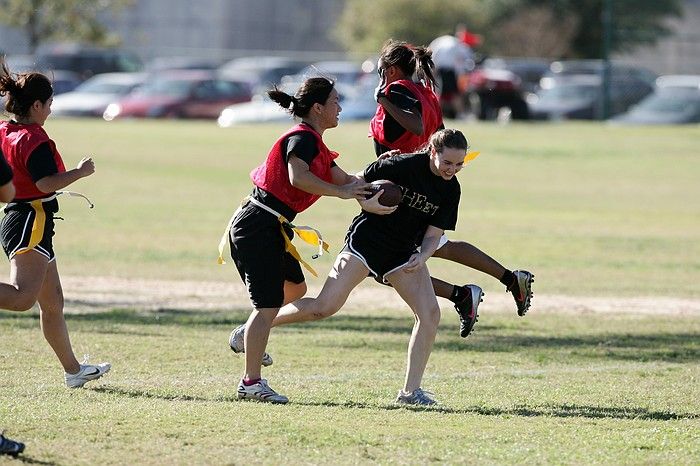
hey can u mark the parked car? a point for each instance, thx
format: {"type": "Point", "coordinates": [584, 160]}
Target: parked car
{"type": "Point", "coordinates": [581, 97]}
{"type": "Point", "coordinates": [180, 94]}
{"type": "Point", "coordinates": [356, 101]}
{"type": "Point", "coordinates": [676, 100]}
{"type": "Point", "coordinates": [159, 64]}
{"type": "Point", "coordinates": [87, 61]}
{"type": "Point", "coordinates": [341, 71]}
{"type": "Point", "coordinates": [260, 72]}
{"type": "Point", "coordinates": [529, 70]}
{"type": "Point", "coordinates": [559, 70]}
{"type": "Point", "coordinates": [91, 98]}
{"type": "Point", "coordinates": [487, 90]}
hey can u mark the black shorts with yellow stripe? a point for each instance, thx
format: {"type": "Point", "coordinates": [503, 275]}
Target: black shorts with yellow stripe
{"type": "Point", "coordinates": [29, 226]}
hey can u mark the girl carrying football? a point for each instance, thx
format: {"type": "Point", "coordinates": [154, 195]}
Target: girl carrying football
{"type": "Point", "coordinates": [407, 115]}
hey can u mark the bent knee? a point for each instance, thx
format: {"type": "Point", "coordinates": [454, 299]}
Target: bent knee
{"type": "Point", "coordinates": [22, 303]}
{"type": "Point", "coordinates": [431, 316]}
{"type": "Point", "coordinates": [294, 291]}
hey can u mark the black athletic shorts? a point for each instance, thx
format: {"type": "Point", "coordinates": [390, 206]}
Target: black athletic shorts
{"type": "Point", "coordinates": [361, 243]}
{"type": "Point", "coordinates": [258, 250]}
{"type": "Point", "coordinates": [29, 226]}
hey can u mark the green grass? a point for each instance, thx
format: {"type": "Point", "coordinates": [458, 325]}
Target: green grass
{"type": "Point", "coordinates": [590, 209]}
{"type": "Point", "coordinates": [619, 389]}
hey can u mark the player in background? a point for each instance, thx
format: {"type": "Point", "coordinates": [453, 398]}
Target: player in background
{"type": "Point", "coordinates": [408, 113]}
{"type": "Point", "coordinates": [298, 170]}
{"type": "Point", "coordinates": [27, 228]}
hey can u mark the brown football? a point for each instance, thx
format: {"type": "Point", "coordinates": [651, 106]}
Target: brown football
{"type": "Point", "coordinates": [392, 192]}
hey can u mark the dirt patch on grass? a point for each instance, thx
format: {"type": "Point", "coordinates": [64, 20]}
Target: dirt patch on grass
{"type": "Point", "coordinates": [102, 293]}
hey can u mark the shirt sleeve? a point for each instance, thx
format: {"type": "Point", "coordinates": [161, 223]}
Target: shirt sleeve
{"type": "Point", "coordinates": [402, 97]}
{"type": "Point", "coordinates": [382, 169]}
{"type": "Point", "coordinates": [302, 145]}
{"type": "Point", "coordinates": [41, 162]}
{"type": "Point", "coordinates": [5, 170]}
{"type": "Point", "coordinates": [446, 216]}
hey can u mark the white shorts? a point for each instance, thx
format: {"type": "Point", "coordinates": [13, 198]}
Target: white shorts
{"type": "Point", "coordinates": [443, 241]}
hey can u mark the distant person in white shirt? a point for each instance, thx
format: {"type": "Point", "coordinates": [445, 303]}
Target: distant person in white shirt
{"type": "Point", "coordinates": [452, 58]}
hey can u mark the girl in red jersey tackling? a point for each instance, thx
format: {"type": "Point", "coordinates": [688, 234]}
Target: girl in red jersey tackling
{"type": "Point", "coordinates": [27, 229]}
{"type": "Point", "coordinates": [299, 169]}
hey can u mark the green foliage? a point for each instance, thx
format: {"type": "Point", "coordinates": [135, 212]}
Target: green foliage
{"type": "Point", "coordinates": [365, 25]}
{"type": "Point", "coordinates": [634, 22]}
{"type": "Point", "coordinates": [61, 20]}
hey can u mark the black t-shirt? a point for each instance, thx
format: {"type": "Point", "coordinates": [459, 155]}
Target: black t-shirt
{"type": "Point", "coordinates": [5, 170]}
{"type": "Point", "coordinates": [41, 162]}
{"type": "Point", "coordinates": [427, 200]}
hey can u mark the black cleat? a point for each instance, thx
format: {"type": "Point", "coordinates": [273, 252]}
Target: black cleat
{"type": "Point", "coordinates": [522, 290]}
{"type": "Point", "coordinates": [468, 309]}
{"type": "Point", "coordinates": [10, 447]}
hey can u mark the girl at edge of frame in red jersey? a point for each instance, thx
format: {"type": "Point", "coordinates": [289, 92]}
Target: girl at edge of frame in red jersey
{"type": "Point", "coordinates": [27, 228]}
{"type": "Point", "coordinates": [298, 170]}
{"type": "Point", "coordinates": [408, 113]}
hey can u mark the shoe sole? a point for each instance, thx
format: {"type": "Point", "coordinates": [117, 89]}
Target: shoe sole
{"type": "Point", "coordinates": [478, 298]}
{"type": "Point", "coordinates": [529, 280]}
{"type": "Point", "coordinates": [266, 361]}
{"type": "Point", "coordinates": [261, 400]}
{"type": "Point", "coordinates": [90, 380]}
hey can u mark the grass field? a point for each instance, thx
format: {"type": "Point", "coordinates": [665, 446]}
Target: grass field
{"type": "Point", "coordinates": [594, 211]}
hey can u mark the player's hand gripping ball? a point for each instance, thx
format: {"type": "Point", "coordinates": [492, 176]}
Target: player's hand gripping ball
{"type": "Point", "coordinates": [392, 192]}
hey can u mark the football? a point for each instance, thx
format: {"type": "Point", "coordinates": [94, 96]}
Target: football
{"type": "Point", "coordinates": [392, 192]}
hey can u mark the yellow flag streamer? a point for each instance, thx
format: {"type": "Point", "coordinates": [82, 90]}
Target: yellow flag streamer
{"type": "Point", "coordinates": [471, 156]}
{"type": "Point", "coordinates": [307, 234]}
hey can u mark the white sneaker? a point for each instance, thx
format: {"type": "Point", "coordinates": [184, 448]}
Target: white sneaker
{"type": "Point", "coordinates": [235, 341]}
{"type": "Point", "coordinates": [87, 373]}
{"type": "Point", "coordinates": [260, 391]}
{"type": "Point", "coordinates": [418, 397]}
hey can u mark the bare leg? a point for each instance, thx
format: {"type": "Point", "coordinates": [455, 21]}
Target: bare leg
{"type": "Point", "coordinates": [471, 256]}
{"type": "Point", "coordinates": [347, 272]}
{"type": "Point", "coordinates": [27, 272]}
{"type": "Point", "coordinates": [53, 322]}
{"type": "Point", "coordinates": [256, 335]}
{"type": "Point", "coordinates": [415, 288]}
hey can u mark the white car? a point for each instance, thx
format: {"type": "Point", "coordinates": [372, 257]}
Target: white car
{"type": "Point", "coordinates": [91, 98]}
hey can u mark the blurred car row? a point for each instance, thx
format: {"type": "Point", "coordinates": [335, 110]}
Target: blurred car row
{"type": "Point", "coordinates": [118, 86]}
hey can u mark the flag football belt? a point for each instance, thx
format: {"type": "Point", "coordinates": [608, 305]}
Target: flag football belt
{"type": "Point", "coordinates": [40, 216]}
{"type": "Point", "coordinates": [307, 234]}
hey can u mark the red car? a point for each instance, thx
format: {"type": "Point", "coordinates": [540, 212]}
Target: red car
{"type": "Point", "coordinates": [180, 94]}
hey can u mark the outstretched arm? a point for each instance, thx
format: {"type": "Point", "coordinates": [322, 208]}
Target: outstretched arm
{"type": "Point", "coordinates": [57, 181]}
{"type": "Point", "coordinates": [301, 178]}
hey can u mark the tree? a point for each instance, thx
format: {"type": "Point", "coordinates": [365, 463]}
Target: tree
{"type": "Point", "coordinates": [570, 28]}
{"type": "Point", "coordinates": [365, 25]}
{"type": "Point", "coordinates": [634, 22]}
{"type": "Point", "coordinates": [61, 20]}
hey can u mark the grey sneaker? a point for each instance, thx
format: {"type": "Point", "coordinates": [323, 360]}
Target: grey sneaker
{"type": "Point", "coordinates": [418, 397]}
{"type": "Point", "coordinates": [522, 290]}
{"type": "Point", "coordinates": [235, 341]}
{"type": "Point", "coordinates": [87, 373]}
{"type": "Point", "coordinates": [10, 447]}
{"type": "Point", "coordinates": [260, 391]}
{"type": "Point", "coordinates": [468, 309]}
